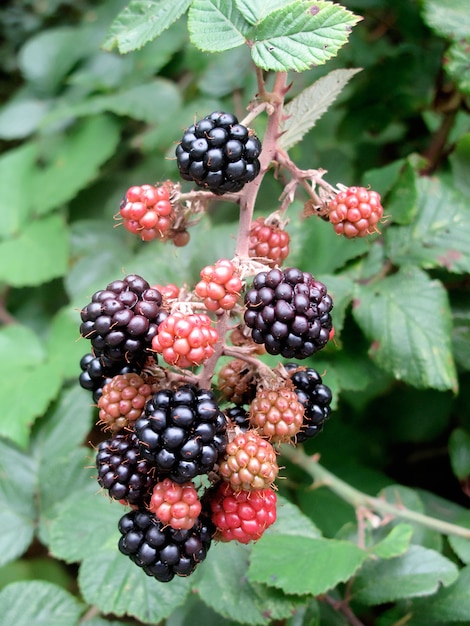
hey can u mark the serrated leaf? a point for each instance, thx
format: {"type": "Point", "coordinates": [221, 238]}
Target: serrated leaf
{"type": "Point", "coordinates": [407, 318]}
{"type": "Point", "coordinates": [142, 21]}
{"type": "Point", "coordinates": [75, 162]}
{"type": "Point", "coordinates": [451, 20]}
{"type": "Point", "coordinates": [291, 521]}
{"type": "Point", "coordinates": [40, 603]}
{"type": "Point", "coordinates": [63, 331]}
{"type": "Point", "coordinates": [457, 64]}
{"type": "Point", "coordinates": [255, 10]}
{"type": "Point", "coordinates": [216, 25]}
{"type": "Point", "coordinates": [17, 509]}
{"type": "Point", "coordinates": [304, 565]}
{"type": "Point", "coordinates": [460, 162]}
{"type": "Point", "coordinates": [401, 204]}
{"type": "Point", "coordinates": [439, 233]}
{"type": "Point", "coordinates": [37, 255]}
{"type": "Point", "coordinates": [301, 35]}
{"type": "Point", "coordinates": [419, 572]}
{"type": "Point", "coordinates": [341, 289]}
{"type": "Point", "coordinates": [16, 166]}
{"type": "Point", "coordinates": [112, 582]}
{"type": "Point", "coordinates": [461, 545]}
{"type": "Point", "coordinates": [20, 347]}
{"type": "Point", "coordinates": [448, 604]}
{"type": "Point", "coordinates": [395, 543]}
{"type": "Point", "coordinates": [304, 110]}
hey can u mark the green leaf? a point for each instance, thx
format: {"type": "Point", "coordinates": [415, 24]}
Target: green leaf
{"type": "Point", "coordinates": [459, 452]}
{"type": "Point", "coordinates": [457, 65]}
{"type": "Point", "coordinates": [401, 204]}
{"type": "Point", "coordinates": [112, 582]}
{"type": "Point", "coordinates": [39, 603]}
{"type": "Point", "coordinates": [438, 235]}
{"type": "Point", "coordinates": [141, 22]}
{"type": "Point", "coordinates": [461, 545]}
{"type": "Point", "coordinates": [75, 163]}
{"type": "Point", "coordinates": [20, 348]}
{"type": "Point", "coordinates": [451, 20]}
{"type": "Point", "coordinates": [17, 507]}
{"type": "Point", "coordinates": [419, 572]}
{"type": "Point", "coordinates": [303, 565]}
{"type": "Point", "coordinates": [395, 543]}
{"type": "Point", "coordinates": [21, 117]}
{"type": "Point", "coordinates": [304, 110]}
{"type": "Point", "coordinates": [37, 255]}
{"type": "Point", "coordinates": [301, 35]}
{"type": "Point", "coordinates": [341, 289]}
{"type": "Point", "coordinates": [216, 25]}
{"type": "Point", "coordinates": [63, 332]}
{"type": "Point", "coordinates": [407, 318]}
{"type": "Point", "coordinates": [448, 604]}
{"type": "Point", "coordinates": [460, 162]}
{"type": "Point", "coordinates": [185, 614]}
{"type": "Point", "coordinates": [291, 521]}
{"type": "Point", "coordinates": [16, 201]}
{"type": "Point", "coordinates": [255, 10]}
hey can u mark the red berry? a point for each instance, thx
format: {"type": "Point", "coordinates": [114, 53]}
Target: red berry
{"type": "Point", "coordinates": [355, 212]}
{"type": "Point", "coordinates": [241, 515]}
{"type": "Point", "coordinates": [123, 401]}
{"type": "Point", "coordinates": [269, 241]}
{"type": "Point", "coordinates": [249, 463]}
{"type": "Point", "coordinates": [220, 286]}
{"type": "Point", "coordinates": [147, 211]}
{"type": "Point", "coordinates": [174, 504]}
{"type": "Point", "coordinates": [185, 340]}
{"type": "Point", "coordinates": [277, 414]}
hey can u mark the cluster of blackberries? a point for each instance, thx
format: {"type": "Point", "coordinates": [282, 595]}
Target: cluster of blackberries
{"type": "Point", "coordinates": [219, 154]}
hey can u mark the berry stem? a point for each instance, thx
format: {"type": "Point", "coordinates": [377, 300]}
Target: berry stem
{"type": "Point", "coordinates": [209, 366]}
{"type": "Point", "coordinates": [358, 499]}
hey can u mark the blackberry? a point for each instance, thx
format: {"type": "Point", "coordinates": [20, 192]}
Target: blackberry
{"type": "Point", "coordinates": [289, 312]}
{"type": "Point", "coordinates": [160, 550]}
{"type": "Point", "coordinates": [182, 433]}
{"type": "Point", "coordinates": [219, 154]}
{"type": "Point", "coordinates": [99, 371]}
{"type": "Point", "coordinates": [239, 416]}
{"type": "Point", "coordinates": [314, 396]}
{"type": "Point", "coordinates": [122, 471]}
{"type": "Point", "coordinates": [122, 319]}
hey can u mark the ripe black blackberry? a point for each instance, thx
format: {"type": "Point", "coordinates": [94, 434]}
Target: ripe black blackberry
{"type": "Point", "coordinates": [122, 319]}
{"type": "Point", "coordinates": [219, 154]}
{"type": "Point", "coordinates": [182, 433]}
{"type": "Point", "coordinates": [239, 416]}
{"type": "Point", "coordinates": [313, 395]}
{"type": "Point", "coordinates": [159, 549]}
{"type": "Point", "coordinates": [122, 471]}
{"type": "Point", "coordinates": [98, 371]}
{"type": "Point", "coordinates": [289, 312]}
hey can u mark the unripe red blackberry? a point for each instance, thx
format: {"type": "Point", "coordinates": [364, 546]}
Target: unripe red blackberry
{"type": "Point", "coordinates": [220, 286]}
{"type": "Point", "coordinates": [176, 505]}
{"type": "Point", "coordinates": [121, 469]}
{"type": "Point", "coordinates": [269, 241]}
{"type": "Point", "coordinates": [160, 550]}
{"type": "Point", "coordinates": [123, 401]}
{"type": "Point", "coordinates": [147, 211]}
{"type": "Point", "coordinates": [289, 312]}
{"type": "Point", "coordinates": [182, 433]}
{"type": "Point", "coordinates": [355, 212]}
{"type": "Point", "coordinates": [249, 463]}
{"type": "Point", "coordinates": [185, 340]}
{"type": "Point", "coordinates": [122, 319]}
{"type": "Point", "coordinates": [237, 382]}
{"type": "Point", "coordinates": [314, 396]}
{"type": "Point", "coordinates": [219, 154]}
{"type": "Point", "coordinates": [242, 516]}
{"type": "Point", "coordinates": [277, 414]}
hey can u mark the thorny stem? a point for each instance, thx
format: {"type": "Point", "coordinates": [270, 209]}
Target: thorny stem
{"type": "Point", "coordinates": [358, 499]}
{"type": "Point", "coordinates": [208, 370]}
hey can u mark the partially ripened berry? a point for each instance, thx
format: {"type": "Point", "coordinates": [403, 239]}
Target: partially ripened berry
{"type": "Point", "coordinates": [147, 211]}
{"type": "Point", "coordinates": [355, 212]}
{"type": "Point", "coordinates": [97, 371]}
{"type": "Point", "coordinates": [249, 463]}
{"type": "Point", "coordinates": [160, 550]}
{"type": "Point", "coordinates": [183, 432]}
{"type": "Point", "coordinates": [314, 396]}
{"type": "Point", "coordinates": [277, 413]}
{"type": "Point", "coordinates": [219, 154]}
{"type": "Point", "coordinates": [176, 505]}
{"type": "Point", "coordinates": [289, 312]}
{"type": "Point", "coordinates": [121, 469]}
{"type": "Point", "coordinates": [185, 340]}
{"type": "Point", "coordinates": [237, 382]}
{"type": "Point", "coordinates": [268, 241]}
{"type": "Point", "coordinates": [242, 516]}
{"type": "Point", "coordinates": [220, 286]}
{"type": "Point", "coordinates": [123, 401]}
{"type": "Point", "coordinates": [121, 320]}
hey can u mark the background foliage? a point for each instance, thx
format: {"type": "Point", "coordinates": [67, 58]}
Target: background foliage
{"type": "Point", "coordinates": [79, 123]}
